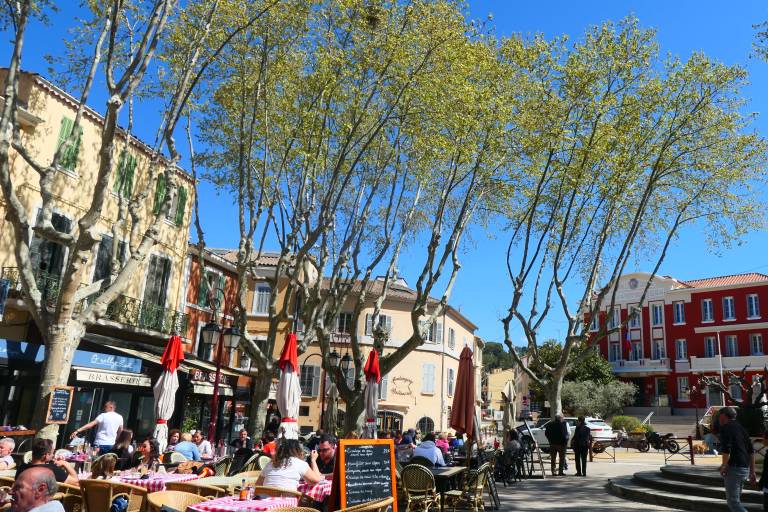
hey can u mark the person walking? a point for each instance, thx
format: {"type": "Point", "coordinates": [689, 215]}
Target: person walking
{"type": "Point", "coordinates": [557, 434]}
{"type": "Point", "coordinates": [108, 425]}
{"type": "Point", "coordinates": [738, 460]}
{"type": "Point", "coordinates": [582, 437]}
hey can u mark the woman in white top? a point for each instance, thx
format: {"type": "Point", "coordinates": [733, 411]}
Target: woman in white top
{"type": "Point", "coordinates": [287, 468]}
{"type": "Point", "coordinates": [206, 452]}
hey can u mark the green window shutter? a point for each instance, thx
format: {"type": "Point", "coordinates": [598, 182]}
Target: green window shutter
{"type": "Point", "coordinates": [120, 176]}
{"type": "Point", "coordinates": [69, 157]}
{"type": "Point", "coordinates": [129, 172]}
{"type": "Point", "coordinates": [202, 294]}
{"type": "Point", "coordinates": [64, 131]}
{"type": "Point", "coordinates": [159, 193]}
{"type": "Point", "coordinates": [181, 205]}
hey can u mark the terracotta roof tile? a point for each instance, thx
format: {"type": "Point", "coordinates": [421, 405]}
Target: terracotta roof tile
{"type": "Point", "coordinates": [712, 282]}
{"type": "Point", "coordinates": [267, 259]}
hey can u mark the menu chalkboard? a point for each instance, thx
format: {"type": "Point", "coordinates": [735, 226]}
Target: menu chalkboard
{"type": "Point", "coordinates": [366, 470]}
{"type": "Point", "coordinates": [59, 403]}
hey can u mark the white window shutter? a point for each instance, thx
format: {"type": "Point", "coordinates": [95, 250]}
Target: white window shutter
{"type": "Point", "coordinates": [439, 336]}
{"type": "Point", "coordinates": [368, 325]}
{"type": "Point", "coordinates": [316, 370]}
{"type": "Point", "coordinates": [383, 387]}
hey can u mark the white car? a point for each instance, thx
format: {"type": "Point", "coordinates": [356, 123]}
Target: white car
{"type": "Point", "coordinates": [599, 429]}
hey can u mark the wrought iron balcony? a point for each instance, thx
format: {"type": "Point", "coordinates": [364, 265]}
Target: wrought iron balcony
{"type": "Point", "coordinates": [124, 310]}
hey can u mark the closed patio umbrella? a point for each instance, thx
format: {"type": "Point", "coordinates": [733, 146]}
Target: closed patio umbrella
{"type": "Point", "coordinates": [372, 377]}
{"type": "Point", "coordinates": [463, 408]}
{"type": "Point", "coordinates": [508, 420]}
{"type": "Point", "coordinates": [165, 389]}
{"type": "Point", "coordinates": [332, 410]}
{"type": "Point", "coordinates": [289, 388]}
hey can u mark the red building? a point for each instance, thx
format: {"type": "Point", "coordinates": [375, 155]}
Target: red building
{"type": "Point", "coordinates": [683, 330]}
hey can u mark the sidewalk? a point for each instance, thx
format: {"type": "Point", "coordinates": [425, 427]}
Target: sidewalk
{"type": "Point", "coordinates": [588, 494]}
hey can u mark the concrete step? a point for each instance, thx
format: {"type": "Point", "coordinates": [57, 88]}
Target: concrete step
{"type": "Point", "coordinates": [631, 489]}
{"type": "Point", "coordinates": [657, 480]}
{"type": "Point", "coordinates": [702, 475]}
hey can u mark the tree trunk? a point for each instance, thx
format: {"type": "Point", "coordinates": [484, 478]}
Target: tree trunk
{"type": "Point", "coordinates": [60, 343]}
{"type": "Point", "coordinates": [554, 395]}
{"type": "Point", "coordinates": [257, 416]}
{"type": "Point", "coordinates": [353, 416]}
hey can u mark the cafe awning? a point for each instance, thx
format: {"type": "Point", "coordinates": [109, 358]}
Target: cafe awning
{"type": "Point", "coordinates": [206, 388]}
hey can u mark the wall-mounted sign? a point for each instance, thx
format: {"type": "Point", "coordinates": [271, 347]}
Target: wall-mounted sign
{"type": "Point", "coordinates": [124, 379]}
{"type": "Point", "coordinates": [204, 376]}
{"type": "Point", "coordinates": [21, 350]}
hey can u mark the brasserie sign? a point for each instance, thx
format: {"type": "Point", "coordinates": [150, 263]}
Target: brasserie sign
{"type": "Point", "coordinates": [124, 379]}
{"type": "Point", "coordinates": [204, 376]}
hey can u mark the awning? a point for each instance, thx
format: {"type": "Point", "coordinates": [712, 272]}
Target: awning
{"type": "Point", "coordinates": [206, 388]}
{"type": "Point", "coordinates": [154, 357]}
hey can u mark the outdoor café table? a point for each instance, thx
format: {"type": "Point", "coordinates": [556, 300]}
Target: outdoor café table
{"type": "Point", "coordinates": [319, 491]}
{"type": "Point", "coordinates": [446, 478]}
{"type": "Point", "coordinates": [156, 482]}
{"type": "Point", "coordinates": [232, 504]}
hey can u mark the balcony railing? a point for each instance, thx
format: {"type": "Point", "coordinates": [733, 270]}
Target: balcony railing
{"type": "Point", "coordinates": [641, 365]}
{"type": "Point", "coordinates": [124, 310]}
{"type": "Point", "coordinates": [755, 362]}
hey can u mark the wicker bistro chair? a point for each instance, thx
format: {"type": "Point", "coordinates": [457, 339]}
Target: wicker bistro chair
{"type": "Point", "coordinates": [276, 491]}
{"type": "Point", "coordinates": [471, 496]}
{"type": "Point", "coordinates": [207, 491]}
{"type": "Point", "coordinates": [221, 466]}
{"type": "Point", "coordinates": [252, 464]}
{"type": "Point", "coordinates": [99, 494]}
{"type": "Point", "coordinates": [262, 461]}
{"type": "Point", "coordinates": [422, 461]}
{"type": "Point", "coordinates": [419, 488]}
{"type": "Point", "coordinates": [173, 458]}
{"type": "Point", "coordinates": [7, 480]}
{"type": "Point", "coordinates": [371, 506]}
{"type": "Point", "coordinates": [175, 499]}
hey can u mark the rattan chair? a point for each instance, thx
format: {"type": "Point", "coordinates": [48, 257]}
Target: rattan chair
{"type": "Point", "coordinates": [208, 491]}
{"type": "Point", "coordinates": [419, 488]}
{"type": "Point", "coordinates": [422, 461]}
{"type": "Point", "coordinates": [471, 496]}
{"type": "Point", "coordinates": [276, 491]}
{"type": "Point", "coordinates": [248, 475]}
{"type": "Point", "coordinates": [175, 499]}
{"type": "Point", "coordinates": [173, 458]}
{"type": "Point", "coordinates": [99, 494]}
{"type": "Point", "coordinates": [221, 466]}
{"type": "Point", "coordinates": [70, 502]}
{"type": "Point", "coordinates": [371, 506]}
{"type": "Point", "coordinates": [262, 461]}
{"type": "Point", "coordinates": [7, 480]}
{"type": "Point", "coordinates": [252, 464]}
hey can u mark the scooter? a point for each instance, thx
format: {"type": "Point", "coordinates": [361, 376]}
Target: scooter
{"type": "Point", "coordinates": [662, 442]}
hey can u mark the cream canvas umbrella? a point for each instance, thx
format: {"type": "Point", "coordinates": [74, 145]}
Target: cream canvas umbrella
{"type": "Point", "coordinates": [289, 389]}
{"type": "Point", "coordinates": [165, 389]}
{"type": "Point", "coordinates": [508, 394]}
{"type": "Point", "coordinates": [372, 377]}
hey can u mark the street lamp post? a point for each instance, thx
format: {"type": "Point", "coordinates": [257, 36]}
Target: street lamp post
{"type": "Point", "coordinates": [212, 334]}
{"type": "Point", "coordinates": [322, 387]}
{"type": "Point", "coordinates": [695, 393]}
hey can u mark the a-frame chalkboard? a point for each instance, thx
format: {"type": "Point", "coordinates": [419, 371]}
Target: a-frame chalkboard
{"type": "Point", "coordinates": [365, 471]}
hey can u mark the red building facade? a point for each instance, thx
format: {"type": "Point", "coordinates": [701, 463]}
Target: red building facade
{"type": "Point", "coordinates": [683, 330]}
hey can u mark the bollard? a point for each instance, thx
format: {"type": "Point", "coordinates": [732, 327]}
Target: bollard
{"type": "Point", "coordinates": [690, 448]}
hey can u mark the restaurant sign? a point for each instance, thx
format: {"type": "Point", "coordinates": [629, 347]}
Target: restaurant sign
{"type": "Point", "coordinates": [123, 379]}
{"type": "Point", "coordinates": [204, 376]}
{"type": "Point", "coordinates": [21, 350]}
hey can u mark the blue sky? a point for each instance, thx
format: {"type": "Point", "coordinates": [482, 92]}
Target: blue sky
{"type": "Point", "coordinates": [482, 291]}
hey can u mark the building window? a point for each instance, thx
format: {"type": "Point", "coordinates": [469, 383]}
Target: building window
{"type": "Point", "coordinates": [637, 351]}
{"type": "Point", "coordinates": [731, 346]}
{"type": "Point", "coordinates": [613, 319]}
{"type": "Point", "coordinates": [710, 346]}
{"type": "Point", "coordinates": [385, 322]}
{"type": "Point", "coordinates": [156, 288]}
{"type": "Point", "coordinates": [126, 167]}
{"type": "Point", "coordinates": [244, 360]}
{"type": "Point", "coordinates": [683, 394]}
{"type": "Point", "coordinates": [614, 352]}
{"type": "Point", "coordinates": [428, 378]}
{"type": "Point", "coordinates": [344, 323]}
{"type": "Point", "coordinates": [635, 317]}
{"type": "Point", "coordinates": [48, 257]}
{"type": "Point", "coordinates": [261, 298]}
{"type": "Point", "coordinates": [432, 333]}
{"type": "Point", "coordinates": [678, 312]}
{"type": "Point", "coordinates": [450, 381]}
{"type": "Point", "coordinates": [68, 158]}
{"type": "Point", "coordinates": [681, 350]}
{"type": "Point", "coordinates": [217, 281]}
{"type": "Point", "coordinates": [756, 343]}
{"type": "Point", "coordinates": [451, 338]}
{"type": "Point", "coordinates": [425, 425]}
{"type": "Point", "coordinates": [735, 391]}
{"type": "Point", "coordinates": [729, 312]}
{"type": "Point", "coordinates": [707, 312]}
{"type": "Point", "coordinates": [753, 306]}
{"type": "Point", "coordinates": [303, 410]}
{"type": "Point", "coordinates": [204, 350]}
{"type": "Point", "coordinates": [593, 323]}
{"type": "Point", "coordinates": [103, 264]}
{"type": "Point", "coordinates": [658, 349]}
{"type": "Point", "coordinates": [658, 314]}
{"type": "Point", "coordinates": [383, 387]}
{"type": "Point", "coordinates": [310, 380]}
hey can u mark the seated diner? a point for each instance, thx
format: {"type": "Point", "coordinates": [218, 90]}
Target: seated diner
{"type": "Point", "coordinates": [428, 450]}
{"type": "Point", "coordinates": [187, 448]}
{"type": "Point", "coordinates": [42, 455]}
{"type": "Point", "coordinates": [287, 468]}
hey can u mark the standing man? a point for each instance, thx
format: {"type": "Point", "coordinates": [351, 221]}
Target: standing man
{"type": "Point", "coordinates": [582, 437]}
{"type": "Point", "coordinates": [32, 491]}
{"type": "Point", "coordinates": [108, 423]}
{"type": "Point", "coordinates": [557, 434]}
{"type": "Point", "coordinates": [738, 458]}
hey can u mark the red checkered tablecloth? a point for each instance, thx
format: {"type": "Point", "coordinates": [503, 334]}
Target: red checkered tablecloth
{"type": "Point", "coordinates": [318, 491]}
{"type": "Point", "coordinates": [157, 481]}
{"type": "Point", "coordinates": [232, 504]}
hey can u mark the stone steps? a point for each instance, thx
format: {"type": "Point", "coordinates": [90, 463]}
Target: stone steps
{"type": "Point", "coordinates": [681, 487]}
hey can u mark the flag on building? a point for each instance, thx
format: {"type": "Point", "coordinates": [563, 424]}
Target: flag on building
{"type": "Point", "coordinates": [627, 344]}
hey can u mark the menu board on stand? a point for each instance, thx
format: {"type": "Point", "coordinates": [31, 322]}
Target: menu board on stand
{"type": "Point", "coordinates": [364, 472]}
{"type": "Point", "coordinates": [59, 404]}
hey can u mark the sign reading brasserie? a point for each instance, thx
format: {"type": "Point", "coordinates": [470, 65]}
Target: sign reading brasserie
{"type": "Point", "coordinates": [125, 379]}
{"type": "Point", "coordinates": [203, 376]}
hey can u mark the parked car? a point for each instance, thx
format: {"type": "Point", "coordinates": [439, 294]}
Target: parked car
{"type": "Point", "coordinates": [599, 428]}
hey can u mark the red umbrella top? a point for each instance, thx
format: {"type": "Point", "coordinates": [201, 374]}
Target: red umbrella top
{"type": "Point", "coordinates": [463, 409]}
{"type": "Point", "coordinates": [173, 354]}
{"type": "Point", "coordinates": [289, 354]}
{"type": "Point", "coordinates": [372, 366]}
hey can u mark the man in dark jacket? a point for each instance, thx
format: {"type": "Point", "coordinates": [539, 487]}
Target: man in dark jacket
{"type": "Point", "coordinates": [582, 436]}
{"type": "Point", "coordinates": [738, 457]}
{"type": "Point", "coordinates": [557, 434]}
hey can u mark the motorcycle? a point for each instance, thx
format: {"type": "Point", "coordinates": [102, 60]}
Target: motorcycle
{"type": "Point", "coordinates": [662, 442]}
{"type": "Point", "coordinates": [622, 440]}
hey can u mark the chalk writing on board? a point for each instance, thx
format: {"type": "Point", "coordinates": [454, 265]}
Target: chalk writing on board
{"type": "Point", "coordinates": [368, 473]}
{"type": "Point", "coordinates": [59, 404]}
